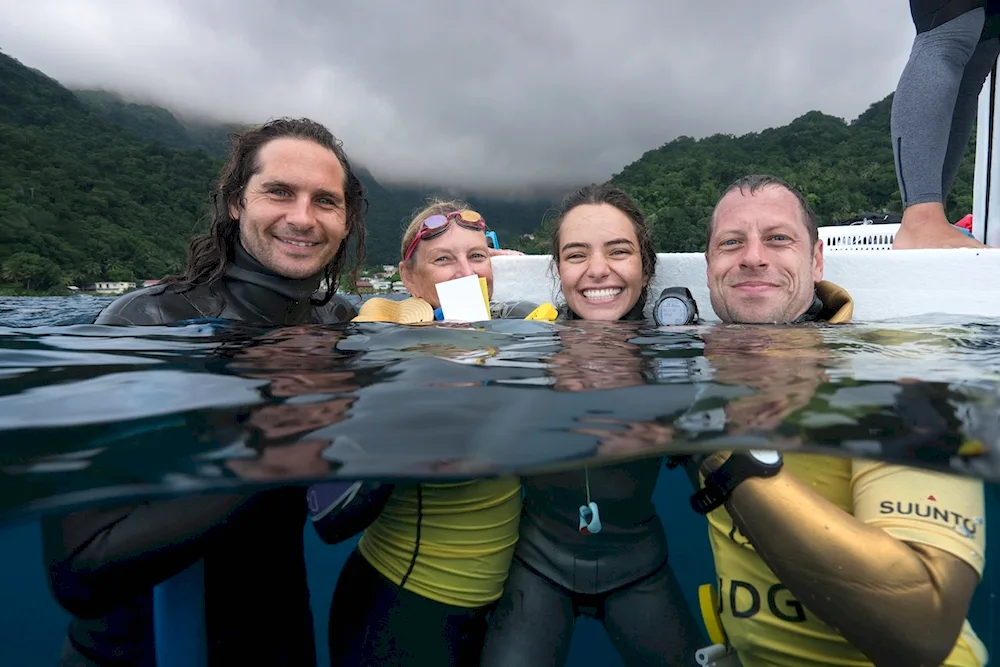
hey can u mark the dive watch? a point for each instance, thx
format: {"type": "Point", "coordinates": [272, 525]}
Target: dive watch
{"type": "Point", "coordinates": [675, 307]}
{"type": "Point", "coordinates": [740, 466]}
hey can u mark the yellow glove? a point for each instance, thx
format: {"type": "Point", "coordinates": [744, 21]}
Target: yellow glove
{"type": "Point", "coordinates": [546, 312]}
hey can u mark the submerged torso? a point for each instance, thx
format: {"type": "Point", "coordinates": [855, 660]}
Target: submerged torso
{"type": "Point", "coordinates": [762, 619]}
{"type": "Point", "coordinates": [632, 542]}
{"type": "Point", "coordinates": [452, 543]}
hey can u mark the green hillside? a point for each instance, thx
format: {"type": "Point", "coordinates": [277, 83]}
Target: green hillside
{"type": "Point", "coordinates": [81, 198]}
{"type": "Point", "coordinates": [390, 207]}
{"type": "Point", "coordinates": [843, 168]}
{"type": "Point", "coordinates": [154, 123]}
{"type": "Point", "coordinates": [93, 187]}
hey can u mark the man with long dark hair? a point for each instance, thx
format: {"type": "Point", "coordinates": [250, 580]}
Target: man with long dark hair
{"type": "Point", "coordinates": [285, 209]}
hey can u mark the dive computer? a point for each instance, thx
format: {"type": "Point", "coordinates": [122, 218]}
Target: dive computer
{"type": "Point", "coordinates": [740, 466]}
{"type": "Point", "coordinates": [675, 307]}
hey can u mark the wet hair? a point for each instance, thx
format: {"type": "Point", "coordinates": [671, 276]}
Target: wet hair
{"type": "Point", "coordinates": [754, 182]}
{"type": "Point", "coordinates": [209, 255]}
{"type": "Point", "coordinates": [608, 194]}
{"type": "Point", "coordinates": [434, 207]}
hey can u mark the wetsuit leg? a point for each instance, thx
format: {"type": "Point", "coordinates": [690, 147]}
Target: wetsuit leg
{"type": "Point", "coordinates": [532, 625]}
{"type": "Point", "coordinates": [650, 622]}
{"type": "Point", "coordinates": [923, 106]}
{"type": "Point", "coordinates": [967, 108]}
{"type": "Point", "coordinates": [373, 622]}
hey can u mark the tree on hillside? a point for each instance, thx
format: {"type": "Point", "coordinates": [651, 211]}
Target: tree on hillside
{"type": "Point", "coordinates": [30, 270]}
{"type": "Point", "coordinates": [842, 168]}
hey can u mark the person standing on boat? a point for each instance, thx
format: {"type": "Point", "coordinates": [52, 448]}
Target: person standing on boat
{"type": "Point", "coordinates": [824, 560]}
{"type": "Point", "coordinates": [934, 109]}
{"type": "Point", "coordinates": [285, 210]}
{"type": "Point", "coordinates": [591, 541]}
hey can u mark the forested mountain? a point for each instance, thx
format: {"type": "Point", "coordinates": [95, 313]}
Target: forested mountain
{"type": "Point", "coordinates": [80, 197]}
{"type": "Point", "coordinates": [96, 188]}
{"type": "Point", "coordinates": [843, 168]}
{"type": "Point", "coordinates": [93, 187]}
{"type": "Point", "coordinates": [390, 206]}
{"type": "Point", "coordinates": [154, 123]}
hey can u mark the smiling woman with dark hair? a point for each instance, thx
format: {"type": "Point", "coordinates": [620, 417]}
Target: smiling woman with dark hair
{"type": "Point", "coordinates": [572, 558]}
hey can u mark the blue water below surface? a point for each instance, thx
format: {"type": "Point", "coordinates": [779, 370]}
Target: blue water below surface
{"type": "Point", "coordinates": [33, 625]}
{"type": "Point", "coordinates": [90, 413]}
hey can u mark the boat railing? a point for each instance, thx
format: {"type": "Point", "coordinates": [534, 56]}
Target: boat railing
{"type": "Point", "coordinates": [858, 237]}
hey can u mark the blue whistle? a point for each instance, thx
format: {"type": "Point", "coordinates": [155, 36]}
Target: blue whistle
{"type": "Point", "coordinates": [590, 519]}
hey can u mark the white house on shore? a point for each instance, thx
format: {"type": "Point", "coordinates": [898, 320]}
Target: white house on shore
{"type": "Point", "coordinates": [110, 288]}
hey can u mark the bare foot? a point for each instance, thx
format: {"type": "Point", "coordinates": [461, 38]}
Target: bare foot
{"type": "Point", "coordinates": [926, 226]}
{"type": "Point", "coordinates": [933, 236]}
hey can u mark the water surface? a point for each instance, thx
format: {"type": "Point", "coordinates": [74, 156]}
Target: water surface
{"type": "Point", "coordinates": [93, 414]}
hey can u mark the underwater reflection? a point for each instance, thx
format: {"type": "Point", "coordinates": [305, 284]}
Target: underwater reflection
{"type": "Point", "coordinates": [597, 356]}
{"type": "Point", "coordinates": [781, 367]}
{"type": "Point", "coordinates": [307, 388]}
{"type": "Point", "coordinates": [784, 365]}
{"type": "Point", "coordinates": [389, 401]}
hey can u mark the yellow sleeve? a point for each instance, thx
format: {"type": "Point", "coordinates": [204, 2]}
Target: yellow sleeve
{"type": "Point", "coordinates": [923, 507]}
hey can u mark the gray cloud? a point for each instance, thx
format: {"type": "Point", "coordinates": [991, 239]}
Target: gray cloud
{"type": "Point", "coordinates": [507, 94]}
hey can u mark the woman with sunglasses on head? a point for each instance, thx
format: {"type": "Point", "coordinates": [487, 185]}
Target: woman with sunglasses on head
{"type": "Point", "coordinates": [433, 558]}
{"type": "Point", "coordinates": [451, 240]}
{"type": "Point", "coordinates": [590, 540]}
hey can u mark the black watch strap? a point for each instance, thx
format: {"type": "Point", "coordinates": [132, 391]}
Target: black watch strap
{"type": "Point", "coordinates": [710, 497]}
{"type": "Point", "coordinates": [739, 466]}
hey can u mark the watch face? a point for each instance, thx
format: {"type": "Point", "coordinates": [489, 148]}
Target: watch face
{"type": "Point", "coordinates": [768, 457]}
{"type": "Point", "coordinates": [671, 311]}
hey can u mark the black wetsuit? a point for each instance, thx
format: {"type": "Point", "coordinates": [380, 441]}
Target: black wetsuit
{"type": "Point", "coordinates": [104, 563]}
{"type": "Point", "coordinates": [621, 576]}
{"type": "Point", "coordinates": [929, 14]}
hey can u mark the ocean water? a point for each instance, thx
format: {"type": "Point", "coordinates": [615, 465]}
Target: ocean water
{"type": "Point", "coordinates": [77, 404]}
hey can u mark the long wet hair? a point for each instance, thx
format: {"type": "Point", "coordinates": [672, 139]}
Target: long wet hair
{"type": "Point", "coordinates": [608, 194]}
{"type": "Point", "coordinates": [209, 255]}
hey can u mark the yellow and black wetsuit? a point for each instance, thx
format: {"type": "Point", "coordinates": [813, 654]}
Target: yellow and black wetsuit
{"type": "Point", "coordinates": [420, 585]}
{"type": "Point", "coordinates": [430, 564]}
{"type": "Point", "coordinates": [769, 625]}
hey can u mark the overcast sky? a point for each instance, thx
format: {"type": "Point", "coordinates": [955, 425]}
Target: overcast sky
{"type": "Point", "coordinates": [503, 94]}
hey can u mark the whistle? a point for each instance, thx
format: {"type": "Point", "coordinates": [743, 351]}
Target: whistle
{"type": "Point", "coordinates": [590, 519]}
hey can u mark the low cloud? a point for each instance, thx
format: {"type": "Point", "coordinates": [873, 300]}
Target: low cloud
{"type": "Point", "coordinates": [503, 95]}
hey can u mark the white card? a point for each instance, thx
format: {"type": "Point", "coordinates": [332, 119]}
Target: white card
{"type": "Point", "coordinates": [462, 300]}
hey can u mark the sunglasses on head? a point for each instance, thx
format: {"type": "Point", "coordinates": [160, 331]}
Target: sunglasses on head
{"type": "Point", "coordinates": [438, 224]}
